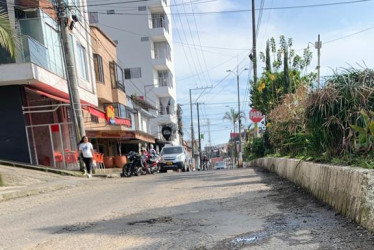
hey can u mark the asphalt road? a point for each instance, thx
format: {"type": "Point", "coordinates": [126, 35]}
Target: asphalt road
{"type": "Point", "coordinates": [225, 209]}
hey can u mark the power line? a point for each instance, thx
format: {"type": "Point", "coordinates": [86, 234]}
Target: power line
{"type": "Point", "coordinates": [250, 10]}
{"type": "Point", "coordinates": [202, 52]}
{"type": "Point", "coordinates": [170, 5]}
{"type": "Point", "coordinates": [193, 43]}
{"type": "Point", "coordinates": [185, 53]}
{"type": "Point", "coordinates": [358, 32]}
{"type": "Point", "coordinates": [106, 4]}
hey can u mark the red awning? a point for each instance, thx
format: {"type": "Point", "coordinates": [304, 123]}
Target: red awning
{"type": "Point", "coordinates": [54, 97]}
{"type": "Point", "coordinates": [96, 112]}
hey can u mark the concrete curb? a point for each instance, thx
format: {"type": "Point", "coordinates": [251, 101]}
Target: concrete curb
{"type": "Point", "coordinates": [40, 168]}
{"type": "Point", "coordinates": [9, 193]}
{"type": "Point", "coordinates": [348, 190]}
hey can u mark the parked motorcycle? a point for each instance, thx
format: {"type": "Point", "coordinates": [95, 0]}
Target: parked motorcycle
{"type": "Point", "coordinates": [153, 164]}
{"type": "Point", "coordinates": [134, 165]}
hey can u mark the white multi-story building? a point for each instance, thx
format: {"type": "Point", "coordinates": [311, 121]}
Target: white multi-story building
{"type": "Point", "coordinates": [143, 33]}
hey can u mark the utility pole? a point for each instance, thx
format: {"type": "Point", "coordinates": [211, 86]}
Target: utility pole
{"type": "Point", "coordinates": [198, 130]}
{"type": "Point", "coordinates": [209, 139]}
{"type": "Point", "coordinates": [318, 46]}
{"type": "Point", "coordinates": [71, 76]}
{"type": "Point", "coordinates": [254, 57]}
{"type": "Point", "coordinates": [240, 160]}
{"type": "Point", "coordinates": [192, 132]}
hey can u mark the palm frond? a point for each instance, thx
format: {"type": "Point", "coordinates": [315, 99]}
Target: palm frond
{"type": "Point", "coordinates": [6, 38]}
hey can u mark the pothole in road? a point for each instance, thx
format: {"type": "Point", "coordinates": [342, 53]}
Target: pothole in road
{"type": "Point", "coordinates": [151, 221]}
{"type": "Point", "coordinates": [76, 228]}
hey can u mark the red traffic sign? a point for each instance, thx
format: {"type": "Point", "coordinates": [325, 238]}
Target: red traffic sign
{"type": "Point", "coordinates": [255, 115]}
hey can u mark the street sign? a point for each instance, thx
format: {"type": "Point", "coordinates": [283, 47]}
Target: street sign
{"type": "Point", "coordinates": [255, 115]}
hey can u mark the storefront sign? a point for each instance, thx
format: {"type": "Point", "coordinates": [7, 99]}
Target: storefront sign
{"type": "Point", "coordinates": [118, 134]}
{"type": "Point", "coordinates": [166, 132]}
{"type": "Point", "coordinates": [110, 115]}
{"type": "Point", "coordinates": [111, 134]}
{"type": "Point", "coordinates": [123, 121]}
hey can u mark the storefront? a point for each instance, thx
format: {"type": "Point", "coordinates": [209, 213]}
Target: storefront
{"type": "Point", "coordinates": [50, 132]}
{"type": "Point", "coordinates": [116, 144]}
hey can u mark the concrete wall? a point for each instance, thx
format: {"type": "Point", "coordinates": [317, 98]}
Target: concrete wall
{"type": "Point", "coordinates": [349, 190]}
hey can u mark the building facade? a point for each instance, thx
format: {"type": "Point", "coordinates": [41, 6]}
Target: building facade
{"type": "Point", "coordinates": [145, 51]}
{"type": "Point", "coordinates": [34, 92]}
{"type": "Point", "coordinates": [115, 127]}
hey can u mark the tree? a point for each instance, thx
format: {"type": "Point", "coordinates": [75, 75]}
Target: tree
{"type": "Point", "coordinates": [267, 93]}
{"type": "Point", "coordinates": [233, 116]}
{"type": "Point", "coordinates": [6, 38]}
{"type": "Point", "coordinates": [267, 57]}
{"type": "Point", "coordinates": [286, 73]}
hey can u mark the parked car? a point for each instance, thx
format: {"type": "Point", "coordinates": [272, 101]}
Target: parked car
{"type": "Point", "coordinates": [173, 158]}
{"type": "Point", "coordinates": [220, 165]}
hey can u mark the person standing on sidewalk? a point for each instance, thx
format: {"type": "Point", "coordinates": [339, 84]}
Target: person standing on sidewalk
{"type": "Point", "coordinates": [86, 150]}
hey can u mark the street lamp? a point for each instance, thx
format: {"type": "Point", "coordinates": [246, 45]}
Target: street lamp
{"type": "Point", "coordinates": [240, 161]}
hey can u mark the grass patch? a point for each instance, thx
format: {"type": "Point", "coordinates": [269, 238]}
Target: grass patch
{"type": "Point", "coordinates": [1, 181]}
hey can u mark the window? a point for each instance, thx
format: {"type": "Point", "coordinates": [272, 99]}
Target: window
{"type": "Point", "coordinates": [144, 39]}
{"type": "Point", "coordinates": [142, 8]}
{"type": "Point", "coordinates": [133, 73]}
{"type": "Point", "coordinates": [160, 21]}
{"type": "Point", "coordinates": [82, 62]}
{"type": "Point", "coordinates": [112, 72]}
{"type": "Point", "coordinates": [162, 50]}
{"type": "Point", "coordinates": [165, 78]}
{"type": "Point", "coordinates": [119, 110]}
{"type": "Point", "coordinates": [116, 76]}
{"type": "Point", "coordinates": [94, 118]}
{"type": "Point", "coordinates": [98, 65]}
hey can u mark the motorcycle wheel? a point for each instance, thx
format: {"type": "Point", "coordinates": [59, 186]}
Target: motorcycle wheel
{"type": "Point", "coordinates": [125, 170]}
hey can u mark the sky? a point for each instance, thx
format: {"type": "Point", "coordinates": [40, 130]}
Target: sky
{"type": "Point", "coordinates": [213, 36]}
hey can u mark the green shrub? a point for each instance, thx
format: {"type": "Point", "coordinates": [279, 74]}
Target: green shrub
{"type": "Point", "coordinates": [258, 147]}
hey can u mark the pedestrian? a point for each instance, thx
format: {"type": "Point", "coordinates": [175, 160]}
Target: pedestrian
{"type": "Point", "coordinates": [152, 151]}
{"type": "Point", "coordinates": [86, 151]}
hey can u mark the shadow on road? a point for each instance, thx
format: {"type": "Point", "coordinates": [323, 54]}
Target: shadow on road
{"type": "Point", "coordinates": [284, 213]}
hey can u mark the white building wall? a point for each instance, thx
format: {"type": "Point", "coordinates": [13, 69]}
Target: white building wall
{"type": "Point", "coordinates": [135, 49]}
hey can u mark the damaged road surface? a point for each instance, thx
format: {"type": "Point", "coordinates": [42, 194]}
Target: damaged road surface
{"type": "Point", "coordinates": [228, 209]}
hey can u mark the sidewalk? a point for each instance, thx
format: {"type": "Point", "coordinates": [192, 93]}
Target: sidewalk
{"type": "Point", "coordinates": [21, 180]}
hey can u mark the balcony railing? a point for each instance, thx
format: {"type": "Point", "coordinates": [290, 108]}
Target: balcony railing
{"type": "Point", "coordinates": [35, 52]}
{"type": "Point", "coordinates": [164, 82]}
{"type": "Point", "coordinates": [160, 21]}
{"type": "Point", "coordinates": [162, 52]}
